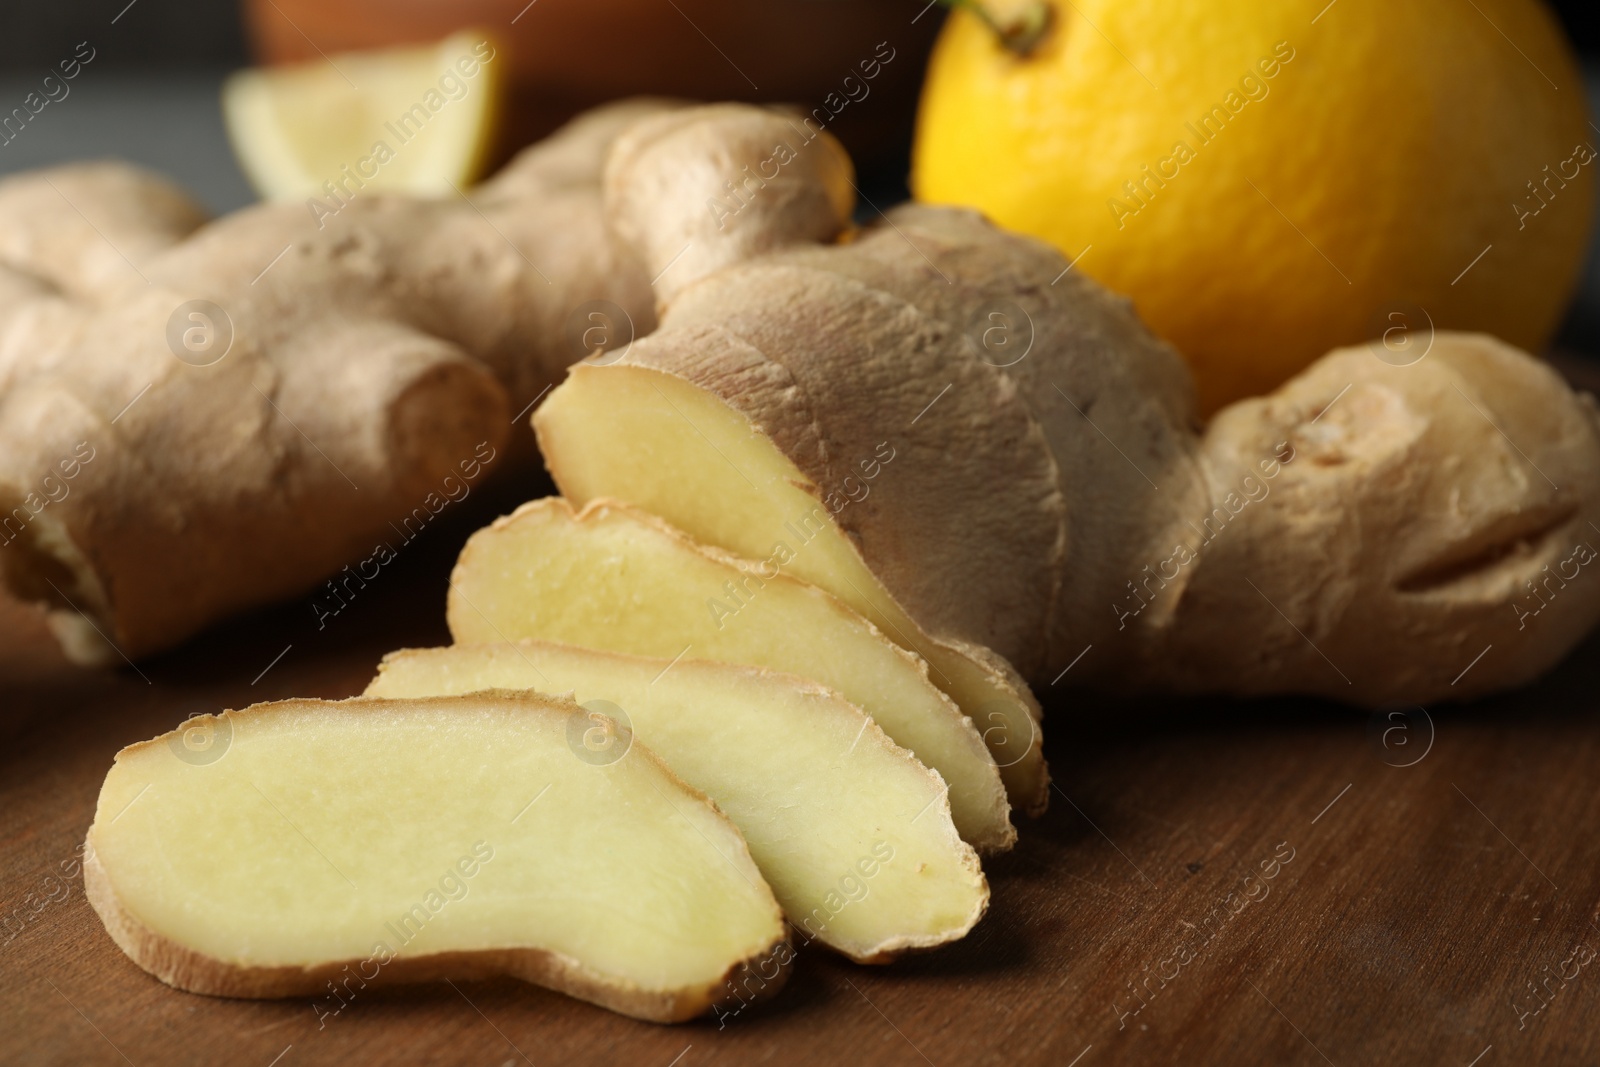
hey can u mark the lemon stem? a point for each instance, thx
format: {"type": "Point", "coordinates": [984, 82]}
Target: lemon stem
{"type": "Point", "coordinates": [1022, 32]}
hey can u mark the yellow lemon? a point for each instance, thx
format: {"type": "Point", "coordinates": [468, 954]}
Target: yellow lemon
{"type": "Point", "coordinates": [1269, 179]}
{"type": "Point", "coordinates": [416, 120]}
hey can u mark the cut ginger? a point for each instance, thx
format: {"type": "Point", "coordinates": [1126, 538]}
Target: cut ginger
{"type": "Point", "coordinates": [615, 578]}
{"type": "Point", "coordinates": [315, 848]}
{"type": "Point", "coordinates": [852, 833]}
{"type": "Point", "coordinates": [657, 442]}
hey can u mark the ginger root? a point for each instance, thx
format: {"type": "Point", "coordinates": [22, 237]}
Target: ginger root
{"type": "Point", "coordinates": [925, 438]}
{"type": "Point", "coordinates": [163, 463]}
{"type": "Point", "coordinates": [339, 848]}
{"type": "Point", "coordinates": [615, 578]}
{"type": "Point", "coordinates": [991, 458]}
{"type": "Point", "coordinates": [822, 795]}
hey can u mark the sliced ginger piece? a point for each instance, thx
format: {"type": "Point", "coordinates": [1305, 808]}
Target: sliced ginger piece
{"type": "Point", "coordinates": [657, 442]}
{"type": "Point", "coordinates": [418, 120]}
{"type": "Point", "coordinates": [616, 578]}
{"type": "Point", "coordinates": [333, 845]}
{"type": "Point", "coordinates": [852, 833]}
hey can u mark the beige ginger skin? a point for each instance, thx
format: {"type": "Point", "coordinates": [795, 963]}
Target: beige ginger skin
{"type": "Point", "coordinates": [144, 496]}
{"type": "Point", "coordinates": [1361, 534]}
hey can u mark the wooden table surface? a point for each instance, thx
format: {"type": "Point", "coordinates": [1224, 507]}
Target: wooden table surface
{"type": "Point", "coordinates": [1214, 883]}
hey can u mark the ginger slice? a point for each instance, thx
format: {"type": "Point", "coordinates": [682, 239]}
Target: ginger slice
{"type": "Point", "coordinates": [661, 443]}
{"type": "Point", "coordinates": [852, 833]}
{"type": "Point", "coordinates": [315, 847]}
{"type": "Point", "coordinates": [616, 578]}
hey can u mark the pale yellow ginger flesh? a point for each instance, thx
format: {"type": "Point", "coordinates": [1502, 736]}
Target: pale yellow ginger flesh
{"type": "Point", "coordinates": [616, 578]}
{"type": "Point", "coordinates": [335, 845]}
{"type": "Point", "coordinates": [852, 833]}
{"type": "Point", "coordinates": [659, 443]}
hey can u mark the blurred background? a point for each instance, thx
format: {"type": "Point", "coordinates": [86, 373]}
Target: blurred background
{"type": "Point", "coordinates": [150, 93]}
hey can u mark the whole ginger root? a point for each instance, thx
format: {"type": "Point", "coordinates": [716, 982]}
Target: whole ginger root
{"type": "Point", "coordinates": [160, 469]}
{"type": "Point", "coordinates": [1049, 507]}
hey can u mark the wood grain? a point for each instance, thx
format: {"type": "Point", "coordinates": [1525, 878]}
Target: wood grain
{"type": "Point", "coordinates": [1422, 907]}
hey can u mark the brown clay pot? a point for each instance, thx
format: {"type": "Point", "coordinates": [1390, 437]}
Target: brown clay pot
{"type": "Point", "coordinates": [567, 55]}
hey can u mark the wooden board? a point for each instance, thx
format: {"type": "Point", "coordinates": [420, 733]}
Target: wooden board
{"type": "Point", "coordinates": [1430, 913]}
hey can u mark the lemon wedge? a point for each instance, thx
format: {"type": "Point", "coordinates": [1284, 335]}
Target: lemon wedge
{"type": "Point", "coordinates": [419, 120]}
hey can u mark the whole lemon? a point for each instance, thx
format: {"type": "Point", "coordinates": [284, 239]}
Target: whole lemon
{"type": "Point", "coordinates": [1270, 179]}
